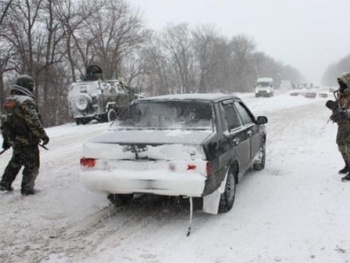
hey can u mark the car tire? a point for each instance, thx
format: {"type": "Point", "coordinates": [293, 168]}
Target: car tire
{"type": "Point", "coordinates": [85, 120]}
{"type": "Point", "coordinates": [227, 198]}
{"type": "Point", "coordinates": [260, 163]}
{"type": "Point", "coordinates": [120, 199]}
{"type": "Point", "coordinates": [112, 115]}
{"type": "Point", "coordinates": [82, 102]}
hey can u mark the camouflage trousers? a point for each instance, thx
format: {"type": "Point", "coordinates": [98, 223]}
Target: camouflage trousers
{"type": "Point", "coordinates": [29, 158]}
{"type": "Point", "coordinates": [343, 141]}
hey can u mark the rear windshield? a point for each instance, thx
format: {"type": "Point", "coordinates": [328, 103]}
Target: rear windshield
{"type": "Point", "coordinates": [168, 115]}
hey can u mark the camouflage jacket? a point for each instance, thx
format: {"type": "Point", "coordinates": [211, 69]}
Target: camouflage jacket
{"type": "Point", "coordinates": [23, 125]}
{"type": "Point", "coordinates": [344, 103]}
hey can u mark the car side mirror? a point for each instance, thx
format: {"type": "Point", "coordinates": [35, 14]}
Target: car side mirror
{"type": "Point", "coordinates": [261, 120]}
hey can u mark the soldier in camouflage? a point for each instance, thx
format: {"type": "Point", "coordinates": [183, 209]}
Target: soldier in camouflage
{"type": "Point", "coordinates": [341, 132]}
{"type": "Point", "coordinates": [23, 131]}
{"type": "Point", "coordinates": [343, 116]}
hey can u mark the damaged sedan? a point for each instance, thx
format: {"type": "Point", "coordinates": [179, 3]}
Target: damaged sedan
{"type": "Point", "coordinates": [186, 145]}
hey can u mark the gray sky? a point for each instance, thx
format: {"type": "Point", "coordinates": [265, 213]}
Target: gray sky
{"type": "Point", "coordinates": [306, 34]}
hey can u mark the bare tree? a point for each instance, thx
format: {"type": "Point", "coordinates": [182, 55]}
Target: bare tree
{"type": "Point", "coordinates": [6, 52]}
{"type": "Point", "coordinates": [74, 16]}
{"type": "Point", "coordinates": [156, 66]}
{"type": "Point", "coordinates": [242, 48]}
{"type": "Point", "coordinates": [114, 33]}
{"type": "Point", "coordinates": [177, 42]}
{"type": "Point", "coordinates": [4, 8]}
{"type": "Point", "coordinates": [205, 40]}
{"type": "Point", "coordinates": [223, 78]}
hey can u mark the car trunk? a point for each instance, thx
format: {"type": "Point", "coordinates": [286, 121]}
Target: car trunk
{"type": "Point", "coordinates": [147, 144]}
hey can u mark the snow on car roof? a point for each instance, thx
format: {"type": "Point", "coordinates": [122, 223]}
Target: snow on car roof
{"type": "Point", "coordinates": [265, 79]}
{"type": "Point", "coordinates": [192, 96]}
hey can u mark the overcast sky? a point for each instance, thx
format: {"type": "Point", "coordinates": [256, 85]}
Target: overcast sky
{"type": "Point", "coordinates": [306, 34]}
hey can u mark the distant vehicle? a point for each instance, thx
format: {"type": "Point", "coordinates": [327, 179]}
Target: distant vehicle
{"type": "Point", "coordinates": [307, 85]}
{"type": "Point", "coordinates": [264, 87]}
{"type": "Point", "coordinates": [286, 85]}
{"type": "Point", "coordinates": [188, 145]}
{"type": "Point", "coordinates": [310, 95]}
{"type": "Point", "coordinates": [95, 99]}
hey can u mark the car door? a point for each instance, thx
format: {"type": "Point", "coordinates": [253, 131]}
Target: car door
{"type": "Point", "coordinates": [238, 140]}
{"type": "Point", "coordinates": [250, 127]}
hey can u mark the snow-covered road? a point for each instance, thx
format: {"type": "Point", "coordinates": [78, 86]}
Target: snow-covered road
{"type": "Point", "coordinates": [295, 210]}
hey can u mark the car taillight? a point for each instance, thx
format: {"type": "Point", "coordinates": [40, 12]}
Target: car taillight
{"type": "Point", "coordinates": [191, 166]}
{"type": "Point", "coordinates": [208, 168]}
{"type": "Point", "coordinates": [87, 162]}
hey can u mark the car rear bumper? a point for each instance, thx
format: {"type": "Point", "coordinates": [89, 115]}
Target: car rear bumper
{"type": "Point", "coordinates": [158, 182]}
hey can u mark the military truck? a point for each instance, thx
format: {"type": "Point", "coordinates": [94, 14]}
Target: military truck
{"type": "Point", "coordinates": [97, 99]}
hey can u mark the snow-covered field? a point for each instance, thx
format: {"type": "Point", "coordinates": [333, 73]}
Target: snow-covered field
{"type": "Point", "coordinates": [295, 210]}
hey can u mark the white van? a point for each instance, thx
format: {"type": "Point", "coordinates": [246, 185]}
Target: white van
{"type": "Point", "coordinates": [264, 87]}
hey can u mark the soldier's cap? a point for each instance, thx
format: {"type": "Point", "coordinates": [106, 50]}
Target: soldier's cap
{"type": "Point", "coordinates": [25, 81]}
{"type": "Point", "coordinates": [344, 81]}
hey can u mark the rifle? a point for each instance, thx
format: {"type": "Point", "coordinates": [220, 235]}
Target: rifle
{"type": "Point", "coordinates": [39, 145]}
{"type": "Point", "coordinates": [43, 146]}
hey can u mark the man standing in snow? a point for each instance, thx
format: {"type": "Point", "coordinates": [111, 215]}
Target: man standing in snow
{"type": "Point", "coordinates": [343, 135]}
{"type": "Point", "coordinates": [23, 131]}
{"type": "Point", "coordinates": [341, 132]}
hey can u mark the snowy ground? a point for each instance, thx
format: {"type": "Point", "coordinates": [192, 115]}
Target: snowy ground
{"type": "Point", "coordinates": [295, 210]}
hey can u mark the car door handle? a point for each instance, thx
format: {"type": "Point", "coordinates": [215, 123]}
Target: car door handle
{"type": "Point", "coordinates": [249, 133]}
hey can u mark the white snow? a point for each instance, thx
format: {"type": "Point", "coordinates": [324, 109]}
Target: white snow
{"type": "Point", "coordinates": [295, 210]}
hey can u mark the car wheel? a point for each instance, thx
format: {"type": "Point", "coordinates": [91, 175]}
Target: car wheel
{"type": "Point", "coordinates": [260, 162]}
{"type": "Point", "coordinates": [77, 121]}
{"type": "Point", "coordinates": [227, 198]}
{"type": "Point", "coordinates": [111, 115]}
{"type": "Point", "coordinates": [82, 102]}
{"type": "Point", "coordinates": [85, 121]}
{"type": "Point", "coordinates": [120, 199]}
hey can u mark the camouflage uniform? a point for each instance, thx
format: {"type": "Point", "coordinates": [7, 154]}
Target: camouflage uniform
{"type": "Point", "coordinates": [343, 135]}
{"type": "Point", "coordinates": [23, 131]}
{"type": "Point", "coordinates": [343, 126]}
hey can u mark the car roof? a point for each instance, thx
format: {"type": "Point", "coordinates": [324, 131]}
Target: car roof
{"type": "Point", "coordinates": [192, 96]}
{"type": "Point", "coordinates": [265, 79]}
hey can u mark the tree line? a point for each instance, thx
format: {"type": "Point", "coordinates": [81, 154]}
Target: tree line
{"type": "Point", "coordinates": [334, 70]}
{"type": "Point", "coordinates": [55, 40]}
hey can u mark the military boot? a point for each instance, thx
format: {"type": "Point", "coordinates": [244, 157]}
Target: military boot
{"type": "Point", "coordinates": [345, 169]}
{"type": "Point", "coordinates": [346, 178]}
{"type": "Point", "coordinates": [5, 187]}
{"type": "Point", "coordinates": [28, 192]}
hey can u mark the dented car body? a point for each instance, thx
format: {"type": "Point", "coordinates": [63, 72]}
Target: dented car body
{"type": "Point", "coordinates": [189, 145]}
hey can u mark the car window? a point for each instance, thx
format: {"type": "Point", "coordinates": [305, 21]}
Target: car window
{"type": "Point", "coordinates": [245, 115]}
{"type": "Point", "coordinates": [116, 86]}
{"type": "Point", "coordinates": [168, 115]}
{"type": "Point", "coordinates": [232, 117]}
{"type": "Point", "coordinates": [120, 89]}
{"type": "Point", "coordinates": [78, 88]}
